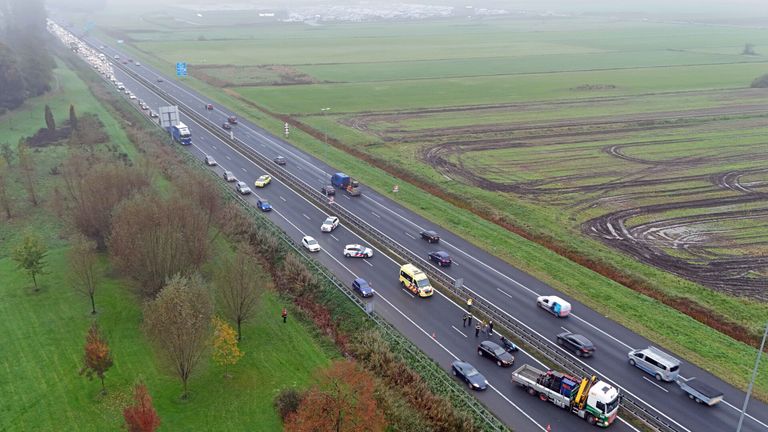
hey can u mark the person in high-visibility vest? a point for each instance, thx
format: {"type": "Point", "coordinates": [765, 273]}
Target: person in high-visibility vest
{"type": "Point", "coordinates": [469, 303]}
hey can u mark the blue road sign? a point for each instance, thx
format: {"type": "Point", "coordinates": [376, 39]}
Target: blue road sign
{"type": "Point", "coordinates": [181, 69]}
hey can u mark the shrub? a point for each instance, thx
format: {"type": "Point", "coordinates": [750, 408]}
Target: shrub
{"type": "Point", "coordinates": [287, 401]}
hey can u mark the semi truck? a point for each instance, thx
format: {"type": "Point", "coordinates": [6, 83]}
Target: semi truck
{"type": "Point", "coordinates": [594, 400]}
{"type": "Point", "coordinates": [181, 134]}
{"type": "Point", "coordinates": [346, 183]}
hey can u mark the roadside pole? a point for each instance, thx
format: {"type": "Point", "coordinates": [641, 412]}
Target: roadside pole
{"type": "Point", "coordinates": [752, 381]}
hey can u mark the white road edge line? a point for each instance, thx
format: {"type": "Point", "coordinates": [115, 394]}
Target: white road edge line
{"type": "Point", "coordinates": [650, 381]}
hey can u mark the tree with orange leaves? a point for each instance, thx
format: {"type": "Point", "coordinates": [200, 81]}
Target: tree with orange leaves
{"type": "Point", "coordinates": [98, 358]}
{"type": "Point", "coordinates": [141, 416]}
{"type": "Point", "coordinates": [341, 402]}
{"type": "Point", "coordinates": [225, 349]}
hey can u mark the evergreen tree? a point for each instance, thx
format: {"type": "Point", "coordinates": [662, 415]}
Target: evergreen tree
{"type": "Point", "coordinates": [72, 117]}
{"type": "Point", "coordinates": [11, 81]}
{"type": "Point", "coordinates": [50, 123]}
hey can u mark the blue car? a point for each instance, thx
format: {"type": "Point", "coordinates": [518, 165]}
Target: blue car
{"type": "Point", "coordinates": [361, 285]}
{"type": "Point", "coordinates": [474, 379]}
{"type": "Point", "coordinates": [263, 205]}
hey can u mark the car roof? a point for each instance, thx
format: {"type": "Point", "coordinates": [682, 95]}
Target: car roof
{"type": "Point", "coordinates": [490, 344]}
{"type": "Point", "coordinates": [429, 232]}
{"type": "Point", "coordinates": [361, 281]}
{"type": "Point", "coordinates": [441, 253]}
{"type": "Point", "coordinates": [582, 339]}
{"type": "Point", "coordinates": [308, 238]}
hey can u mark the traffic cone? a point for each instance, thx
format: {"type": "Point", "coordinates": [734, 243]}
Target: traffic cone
{"type": "Point", "coordinates": [433, 335]}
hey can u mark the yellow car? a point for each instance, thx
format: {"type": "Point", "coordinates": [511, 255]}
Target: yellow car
{"type": "Point", "coordinates": [263, 181]}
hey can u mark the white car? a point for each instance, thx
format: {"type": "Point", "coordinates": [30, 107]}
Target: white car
{"type": "Point", "coordinates": [210, 161]}
{"type": "Point", "coordinates": [357, 251]}
{"type": "Point", "coordinates": [131, 96]}
{"type": "Point", "coordinates": [137, 64]}
{"type": "Point", "coordinates": [242, 188]}
{"type": "Point", "coordinates": [228, 176]}
{"type": "Point", "coordinates": [330, 224]}
{"type": "Point", "coordinates": [310, 244]}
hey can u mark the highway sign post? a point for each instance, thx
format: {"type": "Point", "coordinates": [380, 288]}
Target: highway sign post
{"type": "Point", "coordinates": [169, 116]}
{"type": "Point", "coordinates": [181, 69]}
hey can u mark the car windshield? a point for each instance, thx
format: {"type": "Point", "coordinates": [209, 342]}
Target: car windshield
{"type": "Point", "coordinates": [363, 285]}
{"type": "Point", "coordinates": [421, 283]}
{"type": "Point", "coordinates": [470, 371]}
{"type": "Point", "coordinates": [612, 405]}
{"type": "Point", "coordinates": [262, 178]}
{"type": "Point", "coordinates": [499, 351]}
{"type": "Point", "coordinates": [328, 221]}
{"type": "Point", "coordinates": [264, 203]}
{"type": "Point", "coordinates": [311, 241]}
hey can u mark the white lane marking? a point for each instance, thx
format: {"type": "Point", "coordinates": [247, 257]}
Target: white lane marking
{"type": "Point", "coordinates": [244, 170]}
{"type": "Point", "coordinates": [367, 262]}
{"type": "Point", "coordinates": [334, 237]}
{"type": "Point", "coordinates": [281, 197]}
{"type": "Point", "coordinates": [454, 263]}
{"type": "Point", "coordinates": [408, 292]}
{"type": "Point", "coordinates": [409, 235]}
{"type": "Point", "coordinates": [649, 380]}
{"type": "Point", "coordinates": [517, 407]}
{"type": "Point", "coordinates": [460, 332]}
{"type": "Point", "coordinates": [346, 197]}
{"type": "Point", "coordinates": [628, 424]}
{"type": "Point", "coordinates": [214, 147]}
{"type": "Point", "coordinates": [484, 265]}
{"type": "Point", "coordinates": [565, 329]}
{"type": "Point", "coordinates": [228, 158]}
{"type": "Point", "coordinates": [308, 218]}
{"type": "Point", "coordinates": [376, 215]}
{"type": "Point", "coordinates": [746, 415]}
{"type": "Point", "coordinates": [504, 292]}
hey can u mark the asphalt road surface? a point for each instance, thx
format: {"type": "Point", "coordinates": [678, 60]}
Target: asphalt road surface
{"type": "Point", "coordinates": [435, 324]}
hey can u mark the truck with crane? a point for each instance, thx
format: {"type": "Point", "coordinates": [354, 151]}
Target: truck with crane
{"type": "Point", "coordinates": [594, 400]}
{"type": "Point", "coordinates": [180, 133]}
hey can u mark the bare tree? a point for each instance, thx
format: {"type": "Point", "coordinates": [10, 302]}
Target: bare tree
{"type": "Point", "coordinates": [178, 322]}
{"type": "Point", "coordinates": [27, 169]}
{"type": "Point", "coordinates": [238, 282]}
{"type": "Point", "coordinates": [95, 191]}
{"type": "Point", "coordinates": [154, 238]}
{"type": "Point", "coordinates": [202, 190]}
{"type": "Point", "coordinates": [5, 200]}
{"type": "Point", "coordinates": [83, 262]}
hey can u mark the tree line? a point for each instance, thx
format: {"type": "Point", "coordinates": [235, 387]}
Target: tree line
{"type": "Point", "coordinates": [25, 64]}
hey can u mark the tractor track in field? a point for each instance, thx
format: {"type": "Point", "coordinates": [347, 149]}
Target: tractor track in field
{"type": "Point", "coordinates": [684, 183]}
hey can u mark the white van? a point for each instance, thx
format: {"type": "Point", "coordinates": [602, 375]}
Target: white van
{"type": "Point", "coordinates": [655, 362]}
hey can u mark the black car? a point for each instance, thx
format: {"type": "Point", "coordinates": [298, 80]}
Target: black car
{"type": "Point", "coordinates": [496, 353]}
{"type": "Point", "coordinates": [430, 236]}
{"type": "Point", "coordinates": [328, 190]}
{"type": "Point", "coordinates": [474, 379]}
{"type": "Point", "coordinates": [440, 258]}
{"type": "Point", "coordinates": [280, 160]}
{"type": "Point", "coordinates": [226, 126]}
{"type": "Point", "coordinates": [578, 344]}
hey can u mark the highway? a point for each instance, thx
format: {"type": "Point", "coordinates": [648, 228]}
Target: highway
{"type": "Point", "coordinates": [435, 324]}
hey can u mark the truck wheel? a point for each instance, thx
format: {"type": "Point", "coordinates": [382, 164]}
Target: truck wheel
{"type": "Point", "coordinates": [699, 400]}
{"type": "Point", "coordinates": [690, 396]}
{"type": "Point", "coordinates": [480, 353]}
{"type": "Point", "coordinates": [632, 362]}
{"type": "Point", "coordinates": [531, 391]}
{"type": "Point", "coordinates": [591, 419]}
{"type": "Point", "coordinates": [543, 397]}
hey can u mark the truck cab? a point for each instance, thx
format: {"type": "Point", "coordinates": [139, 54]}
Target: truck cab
{"type": "Point", "coordinates": [181, 134]}
{"type": "Point", "coordinates": [346, 183]}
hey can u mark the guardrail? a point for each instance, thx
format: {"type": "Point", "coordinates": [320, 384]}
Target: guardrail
{"type": "Point", "coordinates": [405, 348]}
{"type": "Point", "coordinates": [642, 411]}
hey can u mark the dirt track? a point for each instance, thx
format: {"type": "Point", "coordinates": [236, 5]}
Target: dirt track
{"type": "Point", "coordinates": [725, 206]}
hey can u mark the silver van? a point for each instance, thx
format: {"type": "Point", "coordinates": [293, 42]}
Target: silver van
{"type": "Point", "coordinates": [656, 362]}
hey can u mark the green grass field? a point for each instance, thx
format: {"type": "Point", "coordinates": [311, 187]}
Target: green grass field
{"type": "Point", "coordinates": [44, 332]}
{"type": "Point", "coordinates": [396, 89]}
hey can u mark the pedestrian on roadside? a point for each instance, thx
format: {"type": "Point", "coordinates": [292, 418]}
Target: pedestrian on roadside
{"type": "Point", "coordinates": [285, 315]}
{"type": "Point", "coordinates": [477, 329]}
{"type": "Point", "coordinates": [469, 320]}
{"type": "Point", "coordinates": [485, 327]}
{"type": "Point", "coordinates": [464, 320]}
{"type": "Point", "coordinates": [490, 327]}
{"type": "Point", "coordinates": [469, 304]}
